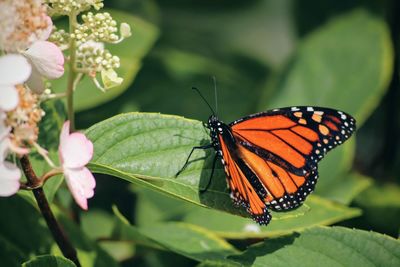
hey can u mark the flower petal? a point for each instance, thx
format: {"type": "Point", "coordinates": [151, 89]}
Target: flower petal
{"type": "Point", "coordinates": [4, 147]}
{"type": "Point", "coordinates": [81, 183]}
{"type": "Point", "coordinates": [47, 58]}
{"type": "Point", "coordinates": [63, 140]}
{"type": "Point", "coordinates": [35, 82]}
{"type": "Point", "coordinates": [76, 150]}
{"type": "Point", "coordinates": [9, 179]}
{"type": "Point", "coordinates": [14, 68]}
{"type": "Point", "coordinates": [46, 33]}
{"type": "Point", "coordinates": [8, 97]}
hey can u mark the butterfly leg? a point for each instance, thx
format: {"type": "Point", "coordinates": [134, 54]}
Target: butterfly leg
{"type": "Point", "coordinates": [190, 154]}
{"type": "Point", "coordinates": [212, 173]}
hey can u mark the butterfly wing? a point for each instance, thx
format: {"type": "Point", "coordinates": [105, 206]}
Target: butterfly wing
{"type": "Point", "coordinates": [281, 148]}
{"type": "Point", "coordinates": [243, 183]}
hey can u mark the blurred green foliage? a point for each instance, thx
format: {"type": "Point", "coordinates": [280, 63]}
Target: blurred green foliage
{"type": "Point", "coordinates": [264, 54]}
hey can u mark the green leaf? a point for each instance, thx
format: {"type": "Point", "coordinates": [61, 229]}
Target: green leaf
{"type": "Point", "coordinates": [153, 207]}
{"type": "Point", "coordinates": [320, 212]}
{"type": "Point", "coordinates": [131, 52]}
{"type": "Point", "coordinates": [221, 263]}
{"type": "Point", "coordinates": [22, 231]}
{"type": "Point", "coordinates": [90, 253]}
{"type": "Point", "coordinates": [125, 231]}
{"type": "Point", "coordinates": [323, 246]}
{"type": "Point", "coordinates": [119, 250]}
{"type": "Point", "coordinates": [149, 149]}
{"type": "Point", "coordinates": [185, 239]}
{"type": "Point", "coordinates": [49, 260]}
{"type": "Point", "coordinates": [345, 64]}
{"type": "Point", "coordinates": [346, 187]}
{"type": "Point", "coordinates": [381, 208]}
{"type": "Point", "coordinates": [97, 224]}
{"type": "Point", "coordinates": [189, 240]}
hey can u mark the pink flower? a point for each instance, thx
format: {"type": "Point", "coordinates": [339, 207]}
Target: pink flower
{"type": "Point", "coordinates": [47, 61]}
{"type": "Point", "coordinates": [75, 152]}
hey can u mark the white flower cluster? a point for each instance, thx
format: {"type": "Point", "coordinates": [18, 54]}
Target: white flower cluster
{"type": "Point", "coordinates": [59, 37]}
{"type": "Point", "coordinates": [22, 23]}
{"type": "Point", "coordinates": [100, 27]}
{"type": "Point", "coordinates": [91, 57]}
{"type": "Point", "coordinates": [66, 7]}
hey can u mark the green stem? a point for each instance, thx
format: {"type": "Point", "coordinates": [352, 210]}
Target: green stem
{"type": "Point", "coordinates": [72, 73]}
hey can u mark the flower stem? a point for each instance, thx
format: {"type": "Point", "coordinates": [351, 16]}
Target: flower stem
{"type": "Point", "coordinates": [58, 234]}
{"type": "Point", "coordinates": [71, 76]}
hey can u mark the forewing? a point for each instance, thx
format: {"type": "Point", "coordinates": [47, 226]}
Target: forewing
{"type": "Point", "coordinates": [294, 138]}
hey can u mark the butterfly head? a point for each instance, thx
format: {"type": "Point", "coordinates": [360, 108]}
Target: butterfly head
{"type": "Point", "coordinates": [216, 127]}
{"type": "Point", "coordinates": [214, 124]}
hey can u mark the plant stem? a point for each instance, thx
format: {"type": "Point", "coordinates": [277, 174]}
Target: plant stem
{"type": "Point", "coordinates": [58, 234]}
{"type": "Point", "coordinates": [71, 76]}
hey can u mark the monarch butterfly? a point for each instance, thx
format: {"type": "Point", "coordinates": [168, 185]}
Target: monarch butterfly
{"type": "Point", "coordinates": [270, 158]}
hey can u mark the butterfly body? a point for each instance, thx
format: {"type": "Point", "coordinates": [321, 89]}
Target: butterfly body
{"type": "Point", "coordinates": [270, 158]}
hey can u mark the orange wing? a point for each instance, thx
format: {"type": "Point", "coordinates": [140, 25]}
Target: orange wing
{"type": "Point", "coordinates": [274, 161]}
{"type": "Point", "coordinates": [294, 138]}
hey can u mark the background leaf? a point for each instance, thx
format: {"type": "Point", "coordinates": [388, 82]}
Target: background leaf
{"type": "Point", "coordinates": [49, 260]}
{"type": "Point", "coordinates": [333, 246]}
{"type": "Point", "coordinates": [350, 56]}
{"type": "Point", "coordinates": [188, 240]}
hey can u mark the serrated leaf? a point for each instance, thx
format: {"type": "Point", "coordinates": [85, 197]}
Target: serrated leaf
{"type": "Point", "coordinates": [49, 260]}
{"type": "Point", "coordinates": [149, 149]}
{"type": "Point", "coordinates": [131, 52]}
{"type": "Point", "coordinates": [323, 246]}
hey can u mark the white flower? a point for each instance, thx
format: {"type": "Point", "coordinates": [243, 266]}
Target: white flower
{"type": "Point", "coordinates": [14, 69]}
{"type": "Point", "coordinates": [75, 152]}
{"type": "Point", "coordinates": [22, 22]}
{"type": "Point", "coordinates": [9, 173]}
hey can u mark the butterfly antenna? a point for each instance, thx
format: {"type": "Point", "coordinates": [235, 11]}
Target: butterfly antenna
{"type": "Point", "coordinates": [198, 91]}
{"type": "Point", "coordinates": [215, 94]}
